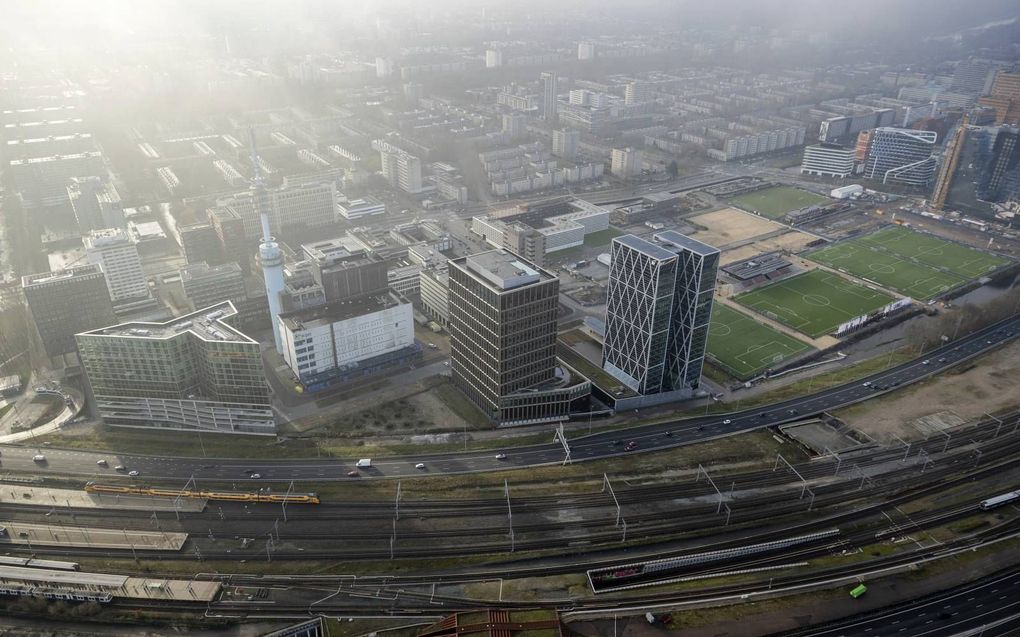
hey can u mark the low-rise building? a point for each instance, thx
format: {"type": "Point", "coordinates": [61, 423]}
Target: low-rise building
{"type": "Point", "coordinates": [435, 295]}
{"type": "Point", "coordinates": [366, 206]}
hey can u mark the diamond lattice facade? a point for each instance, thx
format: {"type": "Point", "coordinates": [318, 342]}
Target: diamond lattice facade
{"type": "Point", "coordinates": [658, 311]}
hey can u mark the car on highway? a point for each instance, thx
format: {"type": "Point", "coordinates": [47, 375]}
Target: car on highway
{"type": "Point", "coordinates": [420, 465]}
{"type": "Point", "coordinates": [500, 456]}
{"type": "Point", "coordinates": [256, 476]}
{"type": "Point", "coordinates": [669, 434]}
{"type": "Point", "coordinates": [120, 468]}
{"type": "Point", "coordinates": [353, 473]}
{"type": "Point", "coordinates": [631, 446]}
{"type": "Point", "coordinates": [38, 458]}
{"type": "Point", "coordinates": [102, 463]}
{"type": "Point", "coordinates": [133, 473]}
{"type": "Point", "coordinates": [926, 362]}
{"type": "Point", "coordinates": [727, 421]}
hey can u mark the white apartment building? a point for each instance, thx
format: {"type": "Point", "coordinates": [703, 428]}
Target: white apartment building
{"type": "Point", "coordinates": [400, 168]}
{"type": "Point", "coordinates": [114, 251]}
{"type": "Point", "coordinates": [564, 143]}
{"type": "Point", "coordinates": [828, 160]}
{"type": "Point", "coordinates": [627, 162]}
{"type": "Point", "coordinates": [637, 93]}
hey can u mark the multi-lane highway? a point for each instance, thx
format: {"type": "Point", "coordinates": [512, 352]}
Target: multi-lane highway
{"type": "Point", "coordinates": [595, 446]}
{"type": "Point", "coordinates": [988, 607]}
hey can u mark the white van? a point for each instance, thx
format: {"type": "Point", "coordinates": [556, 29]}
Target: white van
{"type": "Point", "coordinates": [363, 463]}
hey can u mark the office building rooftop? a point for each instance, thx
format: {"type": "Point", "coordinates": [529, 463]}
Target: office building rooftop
{"type": "Point", "coordinates": [505, 270]}
{"type": "Point", "coordinates": [672, 238]}
{"type": "Point", "coordinates": [207, 324]}
{"type": "Point", "coordinates": [337, 311]}
{"type": "Point", "coordinates": [50, 277]}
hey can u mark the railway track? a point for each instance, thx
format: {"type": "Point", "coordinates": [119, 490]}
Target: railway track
{"type": "Point", "coordinates": [654, 526]}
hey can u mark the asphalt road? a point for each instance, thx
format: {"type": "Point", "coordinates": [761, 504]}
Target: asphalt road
{"type": "Point", "coordinates": [591, 447]}
{"type": "Point", "coordinates": [992, 605]}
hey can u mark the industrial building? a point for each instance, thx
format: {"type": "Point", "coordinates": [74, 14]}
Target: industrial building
{"type": "Point", "coordinates": [657, 313]}
{"type": "Point", "coordinates": [195, 372]}
{"type": "Point", "coordinates": [503, 340]}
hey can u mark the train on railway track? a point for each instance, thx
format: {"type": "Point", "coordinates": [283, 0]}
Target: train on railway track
{"type": "Point", "coordinates": [1000, 500]}
{"type": "Point", "coordinates": [31, 562]}
{"type": "Point", "coordinates": [225, 496]}
{"type": "Point", "coordinates": [24, 590]}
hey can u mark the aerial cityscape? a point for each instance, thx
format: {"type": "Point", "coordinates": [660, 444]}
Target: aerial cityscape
{"type": "Point", "coordinates": [510, 319]}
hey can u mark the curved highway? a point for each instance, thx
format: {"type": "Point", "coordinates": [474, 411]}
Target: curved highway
{"type": "Point", "coordinates": [989, 607]}
{"type": "Point", "coordinates": [591, 447]}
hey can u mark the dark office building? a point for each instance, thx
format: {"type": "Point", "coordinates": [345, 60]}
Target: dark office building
{"type": "Point", "coordinates": [67, 302]}
{"type": "Point", "coordinates": [503, 339]}
{"type": "Point", "coordinates": [201, 244]}
{"type": "Point", "coordinates": [1002, 173]}
{"type": "Point", "coordinates": [234, 246]}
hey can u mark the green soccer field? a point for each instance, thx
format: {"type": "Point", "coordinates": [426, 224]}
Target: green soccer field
{"type": "Point", "coordinates": [744, 347]}
{"type": "Point", "coordinates": [961, 260]}
{"type": "Point", "coordinates": [814, 303]}
{"type": "Point", "coordinates": [918, 265]}
{"type": "Point", "coordinates": [776, 202]}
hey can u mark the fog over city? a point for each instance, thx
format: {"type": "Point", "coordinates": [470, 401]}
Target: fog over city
{"type": "Point", "coordinates": [509, 319]}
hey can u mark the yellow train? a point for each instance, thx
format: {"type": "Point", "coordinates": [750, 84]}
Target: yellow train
{"type": "Point", "coordinates": [293, 498]}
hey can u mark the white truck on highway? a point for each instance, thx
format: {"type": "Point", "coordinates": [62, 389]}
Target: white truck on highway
{"type": "Point", "coordinates": [364, 463]}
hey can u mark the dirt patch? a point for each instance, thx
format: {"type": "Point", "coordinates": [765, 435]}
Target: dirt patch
{"type": "Point", "coordinates": [988, 386]}
{"type": "Point", "coordinates": [792, 241]}
{"type": "Point", "coordinates": [730, 225]}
